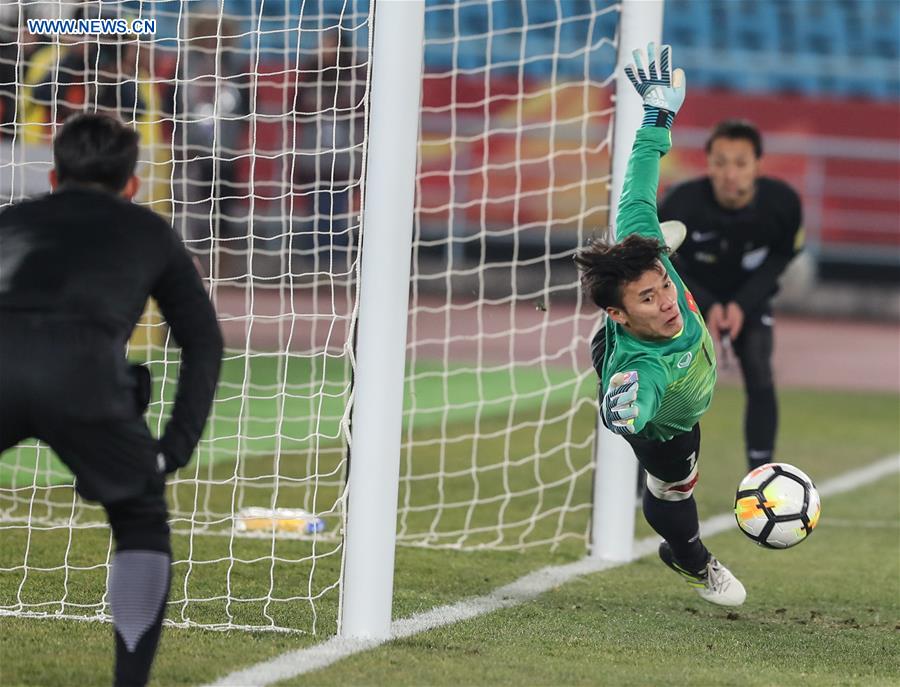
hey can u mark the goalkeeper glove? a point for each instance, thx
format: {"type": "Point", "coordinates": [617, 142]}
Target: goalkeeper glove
{"type": "Point", "coordinates": [165, 463]}
{"type": "Point", "coordinates": [619, 406]}
{"type": "Point", "coordinates": [168, 457]}
{"type": "Point", "coordinates": [661, 89]}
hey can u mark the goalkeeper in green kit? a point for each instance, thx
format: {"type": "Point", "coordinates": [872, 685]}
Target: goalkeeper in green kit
{"type": "Point", "coordinates": [654, 356]}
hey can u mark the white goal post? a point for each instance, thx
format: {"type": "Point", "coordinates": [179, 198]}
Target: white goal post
{"type": "Point", "coordinates": [615, 477]}
{"type": "Point", "coordinates": [384, 198]}
{"type": "Point", "coordinates": [377, 422]}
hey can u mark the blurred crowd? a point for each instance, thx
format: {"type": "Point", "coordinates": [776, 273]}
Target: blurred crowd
{"type": "Point", "coordinates": [208, 134]}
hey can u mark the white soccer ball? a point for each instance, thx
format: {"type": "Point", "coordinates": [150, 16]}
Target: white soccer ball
{"type": "Point", "coordinates": [777, 505]}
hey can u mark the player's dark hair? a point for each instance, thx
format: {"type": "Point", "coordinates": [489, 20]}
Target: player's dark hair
{"type": "Point", "coordinates": [607, 267]}
{"type": "Point", "coordinates": [95, 149]}
{"type": "Point", "coordinates": [736, 129]}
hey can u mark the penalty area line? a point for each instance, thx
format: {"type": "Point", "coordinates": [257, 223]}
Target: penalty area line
{"type": "Point", "coordinates": [294, 663]}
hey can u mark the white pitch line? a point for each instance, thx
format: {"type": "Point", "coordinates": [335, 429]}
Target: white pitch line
{"type": "Point", "coordinates": [294, 663]}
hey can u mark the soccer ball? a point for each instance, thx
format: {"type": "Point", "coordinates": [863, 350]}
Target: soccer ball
{"type": "Point", "coordinates": [777, 506]}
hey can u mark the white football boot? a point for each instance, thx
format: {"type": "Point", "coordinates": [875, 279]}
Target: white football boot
{"type": "Point", "coordinates": [715, 583]}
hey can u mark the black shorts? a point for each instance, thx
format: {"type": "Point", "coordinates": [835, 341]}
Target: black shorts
{"type": "Point", "coordinates": [86, 406]}
{"type": "Point", "coordinates": [112, 460]}
{"type": "Point", "coordinates": [670, 461]}
{"type": "Point", "coordinates": [671, 465]}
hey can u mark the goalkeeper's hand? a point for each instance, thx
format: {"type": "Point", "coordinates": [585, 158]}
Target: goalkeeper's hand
{"type": "Point", "coordinates": [166, 464]}
{"type": "Point", "coordinates": [167, 460]}
{"type": "Point", "coordinates": [661, 89]}
{"type": "Point", "coordinates": [619, 408]}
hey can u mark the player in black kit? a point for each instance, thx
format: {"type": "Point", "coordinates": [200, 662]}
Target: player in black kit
{"type": "Point", "coordinates": [76, 268]}
{"type": "Point", "coordinates": [743, 230]}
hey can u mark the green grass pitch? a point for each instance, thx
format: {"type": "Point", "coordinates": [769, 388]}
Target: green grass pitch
{"type": "Point", "coordinates": [823, 613]}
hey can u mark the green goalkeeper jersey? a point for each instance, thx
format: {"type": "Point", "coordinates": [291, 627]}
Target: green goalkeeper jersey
{"type": "Point", "coordinates": [676, 377]}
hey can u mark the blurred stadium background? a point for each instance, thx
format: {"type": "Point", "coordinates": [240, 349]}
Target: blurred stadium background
{"type": "Point", "coordinates": [819, 78]}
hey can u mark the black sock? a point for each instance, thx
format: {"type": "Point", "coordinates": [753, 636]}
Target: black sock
{"type": "Point", "coordinates": [677, 522]}
{"type": "Point", "coordinates": [138, 589]}
{"type": "Point", "coordinates": [760, 425]}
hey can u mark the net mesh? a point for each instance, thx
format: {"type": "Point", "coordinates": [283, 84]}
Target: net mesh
{"type": "Point", "coordinates": [252, 120]}
{"type": "Point", "coordinates": [513, 176]}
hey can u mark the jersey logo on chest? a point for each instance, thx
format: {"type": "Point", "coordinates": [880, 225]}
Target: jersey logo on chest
{"type": "Point", "coordinates": [685, 360]}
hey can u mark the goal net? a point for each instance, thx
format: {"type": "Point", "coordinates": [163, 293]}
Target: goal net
{"type": "Point", "coordinates": [253, 119]}
{"type": "Point", "coordinates": [513, 177]}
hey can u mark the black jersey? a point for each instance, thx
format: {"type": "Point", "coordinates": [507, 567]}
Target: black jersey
{"type": "Point", "coordinates": [76, 269]}
{"type": "Point", "coordinates": [735, 255]}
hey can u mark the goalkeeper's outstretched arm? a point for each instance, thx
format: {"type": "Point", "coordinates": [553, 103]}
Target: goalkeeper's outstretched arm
{"type": "Point", "coordinates": [662, 91]}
